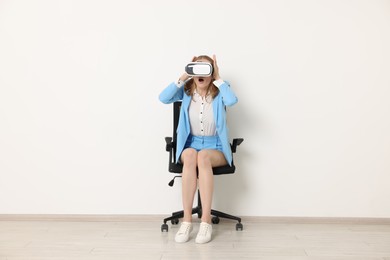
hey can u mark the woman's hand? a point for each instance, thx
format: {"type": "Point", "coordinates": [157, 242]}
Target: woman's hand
{"type": "Point", "coordinates": [185, 76]}
{"type": "Point", "coordinates": [216, 69]}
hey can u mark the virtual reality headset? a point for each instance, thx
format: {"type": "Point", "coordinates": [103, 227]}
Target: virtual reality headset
{"type": "Point", "coordinates": [199, 69]}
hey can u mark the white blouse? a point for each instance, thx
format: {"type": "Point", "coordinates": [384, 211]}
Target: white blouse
{"type": "Point", "coordinates": [201, 113]}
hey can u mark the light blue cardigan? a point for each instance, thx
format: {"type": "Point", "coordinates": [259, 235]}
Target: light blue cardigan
{"type": "Point", "coordinates": [225, 97]}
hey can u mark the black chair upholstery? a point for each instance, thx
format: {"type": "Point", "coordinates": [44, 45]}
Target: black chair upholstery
{"type": "Point", "coordinates": [177, 168]}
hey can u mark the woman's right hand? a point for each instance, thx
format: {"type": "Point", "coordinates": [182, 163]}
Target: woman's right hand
{"type": "Point", "coordinates": [185, 76]}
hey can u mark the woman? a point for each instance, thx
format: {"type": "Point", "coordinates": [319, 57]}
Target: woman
{"type": "Point", "coordinates": [202, 140]}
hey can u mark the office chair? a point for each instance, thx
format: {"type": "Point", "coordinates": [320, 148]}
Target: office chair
{"type": "Point", "coordinates": [177, 168]}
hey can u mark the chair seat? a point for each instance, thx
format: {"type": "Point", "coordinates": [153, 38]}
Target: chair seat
{"type": "Point", "coordinates": [226, 169]}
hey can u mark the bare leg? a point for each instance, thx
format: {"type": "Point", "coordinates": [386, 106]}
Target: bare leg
{"type": "Point", "coordinates": [207, 159]}
{"type": "Point", "coordinates": [189, 179]}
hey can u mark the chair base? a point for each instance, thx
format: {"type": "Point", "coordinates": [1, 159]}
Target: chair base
{"type": "Point", "coordinates": [198, 210]}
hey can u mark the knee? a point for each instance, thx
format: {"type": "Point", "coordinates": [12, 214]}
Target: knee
{"type": "Point", "coordinates": [204, 159]}
{"type": "Point", "coordinates": [189, 157]}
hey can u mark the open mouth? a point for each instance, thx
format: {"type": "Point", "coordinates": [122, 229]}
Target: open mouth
{"type": "Point", "coordinates": [201, 80]}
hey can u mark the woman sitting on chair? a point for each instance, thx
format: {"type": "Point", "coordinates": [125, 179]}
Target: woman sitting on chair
{"type": "Point", "coordinates": [202, 140]}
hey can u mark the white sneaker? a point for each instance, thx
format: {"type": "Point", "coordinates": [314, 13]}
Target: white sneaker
{"type": "Point", "coordinates": [204, 234]}
{"type": "Point", "coordinates": [183, 234]}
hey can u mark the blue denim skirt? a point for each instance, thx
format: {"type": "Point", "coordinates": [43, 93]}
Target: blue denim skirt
{"type": "Point", "coordinates": [203, 142]}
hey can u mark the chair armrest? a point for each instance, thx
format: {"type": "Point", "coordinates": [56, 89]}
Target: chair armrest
{"type": "Point", "coordinates": [236, 142]}
{"type": "Point", "coordinates": [169, 146]}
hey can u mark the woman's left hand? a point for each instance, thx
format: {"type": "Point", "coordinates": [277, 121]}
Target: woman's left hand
{"type": "Point", "coordinates": [216, 69]}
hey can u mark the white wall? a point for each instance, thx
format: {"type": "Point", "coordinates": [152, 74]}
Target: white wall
{"type": "Point", "coordinates": [82, 130]}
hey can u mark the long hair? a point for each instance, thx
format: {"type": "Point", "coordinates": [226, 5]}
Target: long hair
{"type": "Point", "coordinates": [190, 86]}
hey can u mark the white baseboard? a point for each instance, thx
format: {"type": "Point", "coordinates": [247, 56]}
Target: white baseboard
{"type": "Point", "coordinates": [154, 218]}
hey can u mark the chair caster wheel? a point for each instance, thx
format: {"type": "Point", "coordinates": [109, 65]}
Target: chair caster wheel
{"type": "Point", "coordinates": [164, 227]}
{"type": "Point", "coordinates": [175, 221]}
{"type": "Point", "coordinates": [239, 227]}
{"type": "Point", "coordinates": [215, 220]}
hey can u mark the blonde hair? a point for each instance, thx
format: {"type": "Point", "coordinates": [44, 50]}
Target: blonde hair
{"type": "Point", "coordinates": [190, 86]}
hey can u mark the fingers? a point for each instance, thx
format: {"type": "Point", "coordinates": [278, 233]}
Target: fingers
{"type": "Point", "coordinates": [184, 77]}
{"type": "Point", "coordinates": [215, 62]}
{"type": "Point", "coordinates": [216, 69]}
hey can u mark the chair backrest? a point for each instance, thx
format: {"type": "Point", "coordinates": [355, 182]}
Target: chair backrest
{"type": "Point", "coordinates": [176, 116]}
{"type": "Point", "coordinates": [177, 168]}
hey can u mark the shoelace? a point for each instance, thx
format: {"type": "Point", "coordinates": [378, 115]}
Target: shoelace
{"type": "Point", "coordinates": [184, 228]}
{"type": "Point", "coordinates": [203, 230]}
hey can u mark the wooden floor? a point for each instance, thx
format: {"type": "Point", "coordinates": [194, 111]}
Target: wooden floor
{"type": "Point", "coordinates": [138, 238]}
